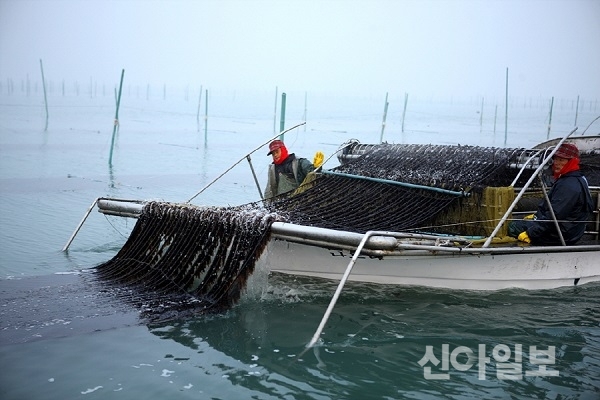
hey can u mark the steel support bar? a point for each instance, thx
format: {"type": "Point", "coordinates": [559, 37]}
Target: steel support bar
{"type": "Point", "coordinates": [516, 201]}
{"type": "Point", "coordinates": [556, 224]}
{"type": "Point", "coordinates": [89, 210]}
{"type": "Point", "coordinates": [340, 287]}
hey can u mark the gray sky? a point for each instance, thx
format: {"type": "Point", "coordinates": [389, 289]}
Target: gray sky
{"type": "Point", "coordinates": [461, 47]}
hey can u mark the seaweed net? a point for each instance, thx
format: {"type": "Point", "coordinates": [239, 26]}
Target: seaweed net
{"type": "Point", "coordinates": [185, 258]}
{"type": "Point", "coordinates": [432, 188]}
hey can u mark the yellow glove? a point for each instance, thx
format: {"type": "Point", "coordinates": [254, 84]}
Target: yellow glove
{"type": "Point", "coordinates": [524, 237]}
{"type": "Point", "coordinates": [318, 160]}
{"type": "Point", "coordinates": [529, 217]}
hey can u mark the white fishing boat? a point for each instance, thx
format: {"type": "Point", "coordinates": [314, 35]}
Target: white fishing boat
{"type": "Point", "coordinates": [416, 256]}
{"type": "Point", "coordinates": [455, 262]}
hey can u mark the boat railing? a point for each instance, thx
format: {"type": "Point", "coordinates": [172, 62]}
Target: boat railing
{"type": "Point", "coordinates": [401, 243]}
{"type": "Point", "coordinates": [533, 176]}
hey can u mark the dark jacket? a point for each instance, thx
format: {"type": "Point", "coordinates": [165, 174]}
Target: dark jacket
{"type": "Point", "coordinates": [572, 203]}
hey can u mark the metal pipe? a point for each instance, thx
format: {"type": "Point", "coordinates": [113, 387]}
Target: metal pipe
{"type": "Point", "coordinates": [419, 249]}
{"type": "Point", "coordinates": [358, 251]}
{"type": "Point", "coordinates": [339, 288]}
{"type": "Point", "coordinates": [408, 185]}
{"type": "Point", "coordinates": [121, 208]}
{"type": "Point", "coordinates": [514, 182]}
{"type": "Point", "coordinates": [241, 159]}
{"type": "Point", "coordinates": [108, 206]}
{"type": "Point", "coordinates": [330, 236]}
{"type": "Point", "coordinates": [66, 247]}
{"type": "Point", "coordinates": [499, 250]}
{"type": "Point", "coordinates": [560, 235]}
{"type": "Point", "coordinates": [514, 203]}
{"type": "Point", "coordinates": [255, 178]}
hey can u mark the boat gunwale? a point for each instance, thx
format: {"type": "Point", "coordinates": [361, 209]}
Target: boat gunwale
{"type": "Point", "coordinates": [404, 249]}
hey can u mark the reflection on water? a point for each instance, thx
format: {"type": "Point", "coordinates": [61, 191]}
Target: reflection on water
{"type": "Point", "coordinates": [63, 338]}
{"type": "Point", "coordinates": [377, 335]}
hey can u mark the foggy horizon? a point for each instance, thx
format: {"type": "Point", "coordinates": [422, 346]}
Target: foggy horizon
{"type": "Point", "coordinates": [429, 48]}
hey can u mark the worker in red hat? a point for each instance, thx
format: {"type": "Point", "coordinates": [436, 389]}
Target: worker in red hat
{"type": "Point", "coordinates": [287, 171]}
{"type": "Point", "coordinates": [570, 200]}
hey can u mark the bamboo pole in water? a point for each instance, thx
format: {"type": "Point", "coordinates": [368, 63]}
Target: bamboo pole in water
{"type": "Point", "coordinates": [305, 109]}
{"type": "Point", "coordinates": [385, 110]}
{"type": "Point", "coordinates": [404, 110]}
{"type": "Point", "coordinates": [576, 110]}
{"type": "Point", "coordinates": [481, 116]}
{"type": "Point", "coordinates": [45, 96]}
{"type": "Point", "coordinates": [506, 110]}
{"type": "Point", "coordinates": [205, 116]}
{"type": "Point", "coordinates": [550, 118]}
{"type": "Point", "coordinates": [275, 111]}
{"type": "Point", "coordinates": [495, 119]}
{"type": "Point", "coordinates": [198, 112]}
{"type": "Point", "coordinates": [116, 123]}
{"type": "Point", "coordinates": [282, 117]}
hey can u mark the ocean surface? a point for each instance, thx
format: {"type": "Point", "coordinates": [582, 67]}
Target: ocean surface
{"type": "Point", "coordinates": [63, 336]}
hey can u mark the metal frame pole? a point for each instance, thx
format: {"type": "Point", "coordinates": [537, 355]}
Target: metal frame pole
{"type": "Point", "coordinates": [80, 224]}
{"type": "Point", "coordinates": [241, 159]}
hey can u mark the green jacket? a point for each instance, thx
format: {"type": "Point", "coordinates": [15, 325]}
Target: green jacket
{"type": "Point", "coordinates": [287, 176]}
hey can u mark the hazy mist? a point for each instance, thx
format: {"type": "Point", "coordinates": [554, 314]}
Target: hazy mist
{"type": "Point", "coordinates": [551, 48]}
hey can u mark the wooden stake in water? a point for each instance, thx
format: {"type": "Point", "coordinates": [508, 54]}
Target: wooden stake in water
{"type": "Point", "coordinates": [45, 97]}
{"type": "Point", "coordinates": [550, 118]}
{"type": "Point", "coordinates": [282, 117]}
{"type": "Point", "coordinates": [385, 109]}
{"type": "Point", "coordinates": [275, 111]}
{"type": "Point", "coordinates": [305, 109]}
{"type": "Point", "coordinates": [198, 112]}
{"type": "Point", "coordinates": [506, 110]}
{"type": "Point", "coordinates": [205, 116]}
{"type": "Point", "coordinates": [481, 117]}
{"type": "Point", "coordinates": [495, 118]}
{"type": "Point", "coordinates": [576, 110]}
{"type": "Point", "coordinates": [116, 123]}
{"type": "Point", "coordinates": [404, 110]}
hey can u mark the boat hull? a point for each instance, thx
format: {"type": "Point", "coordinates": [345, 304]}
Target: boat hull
{"type": "Point", "coordinates": [487, 271]}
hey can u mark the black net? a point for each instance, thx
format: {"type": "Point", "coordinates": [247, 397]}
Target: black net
{"type": "Point", "coordinates": [458, 168]}
{"type": "Point", "coordinates": [590, 167]}
{"type": "Point", "coordinates": [180, 258]}
{"type": "Point", "coordinates": [402, 188]}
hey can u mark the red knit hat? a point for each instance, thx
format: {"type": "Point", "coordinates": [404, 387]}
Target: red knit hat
{"type": "Point", "coordinates": [274, 145]}
{"type": "Point", "coordinates": [567, 150]}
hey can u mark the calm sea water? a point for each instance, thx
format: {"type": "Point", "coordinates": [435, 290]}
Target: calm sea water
{"type": "Point", "coordinates": [63, 336]}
